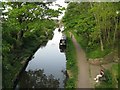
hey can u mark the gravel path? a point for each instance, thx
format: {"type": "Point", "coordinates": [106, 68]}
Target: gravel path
{"type": "Point", "coordinates": [83, 66]}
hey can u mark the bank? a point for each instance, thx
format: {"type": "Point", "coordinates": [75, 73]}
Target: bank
{"type": "Point", "coordinates": [18, 58]}
{"type": "Point", "coordinates": [72, 68]}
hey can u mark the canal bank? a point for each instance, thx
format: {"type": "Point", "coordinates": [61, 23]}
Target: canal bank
{"type": "Point", "coordinates": [24, 64]}
{"type": "Point", "coordinates": [28, 55]}
{"type": "Point", "coordinates": [72, 68]}
{"type": "Point", "coordinates": [17, 59]}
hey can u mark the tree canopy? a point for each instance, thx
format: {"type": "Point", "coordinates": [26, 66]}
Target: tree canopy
{"type": "Point", "coordinates": [96, 24]}
{"type": "Point", "coordinates": [26, 25]}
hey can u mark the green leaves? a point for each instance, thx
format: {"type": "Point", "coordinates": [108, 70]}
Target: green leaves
{"type": "Point", "coordinates": [23, 31]}
{"type": "Point", "coordinates": [27, 17]}
{"type": "Point", "coordinates": [91, 20]}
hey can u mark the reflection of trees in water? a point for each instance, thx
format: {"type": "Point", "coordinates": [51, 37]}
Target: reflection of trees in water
{"type": "Point", "coordinates": [37, 79]}
{"type": "Point", "coordinates": [66, 76]}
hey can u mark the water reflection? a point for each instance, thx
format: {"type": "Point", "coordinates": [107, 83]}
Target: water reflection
{"type": "Point", "coordinates": [37, 79]}
{"type": "Point", "coordinates": [51, 60]}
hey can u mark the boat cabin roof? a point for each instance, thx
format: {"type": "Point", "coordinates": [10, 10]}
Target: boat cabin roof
{"type": "Point", "coordinates": [63, 37]}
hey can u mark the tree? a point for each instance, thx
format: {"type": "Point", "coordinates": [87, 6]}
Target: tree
{"type": "Point", "coordinates": [94, 23]}
{"type": "Point", "coordinates": [25, 27]}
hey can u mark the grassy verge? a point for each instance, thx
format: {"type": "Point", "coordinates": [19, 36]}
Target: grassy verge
{"type": "Point", "coordinates": [72, 68]}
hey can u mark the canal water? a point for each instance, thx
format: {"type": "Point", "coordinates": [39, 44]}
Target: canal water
{"type": "Point", "coordinates": [47, 68]}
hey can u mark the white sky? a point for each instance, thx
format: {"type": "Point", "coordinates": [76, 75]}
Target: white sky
{"type": "Point", "coordinates": [61, 3]}
{"type": "Point", "coordinates": [54, 6]}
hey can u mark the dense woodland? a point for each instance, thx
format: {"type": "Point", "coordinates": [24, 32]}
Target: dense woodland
{"type": "Point", "coordinates": [25, 27]}
{"type": "Point", "coordinates": [96, 28]}
{"type": "Point", "coordinates": [96, 25]}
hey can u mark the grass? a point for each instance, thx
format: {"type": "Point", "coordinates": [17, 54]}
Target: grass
{"type": "Point", "coordinates": [71, 63]}
{"type": "Point", "coordinates": [94, 51]}
{"type": "Point", "coordinates": [112, 76]}
{"type": "Point", "coordinates": [97, 53]}
{"type": "Point", "coordinates": [115, 74]}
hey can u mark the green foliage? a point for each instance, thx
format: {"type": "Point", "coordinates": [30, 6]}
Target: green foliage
{"type": "Point", "coordinates": [97, 53]}
{"type": "Point", "coordinates": [115, 74]}
{"type": "Point", "coordinates": [112, 78]}
{"type": "Point", "coordinates": [94, 25]}
{"type": "Point", "coordinates": [71, 64]}
{"type": "Point", "coordinates": [44, 80]}
{"type": "Point", "coordinates": [24, 30]}
{"type": "Point", "coordinates": [70, 83]}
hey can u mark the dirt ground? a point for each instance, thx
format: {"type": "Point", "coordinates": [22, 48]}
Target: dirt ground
{"type": "Point", "coordinates": [83, 66]}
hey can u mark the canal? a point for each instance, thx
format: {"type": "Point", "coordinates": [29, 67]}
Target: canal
{"type": "Point", "coordinates": [47, 68]}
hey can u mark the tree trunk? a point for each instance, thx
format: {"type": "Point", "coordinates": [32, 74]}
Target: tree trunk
{"type": "Point", "coordinates": [115, 33]}
{"type": "Point", "coordinates": [100, 35]}
{"type": "Point", "coordinates": [19, 39]}
{"type": "Point", "coordinates": [108, 36]}
{"type": "Point", "coordinates": [101, 43]}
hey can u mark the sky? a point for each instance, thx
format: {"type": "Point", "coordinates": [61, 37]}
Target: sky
{"type": "Point", "coordinates": [55, 6]}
